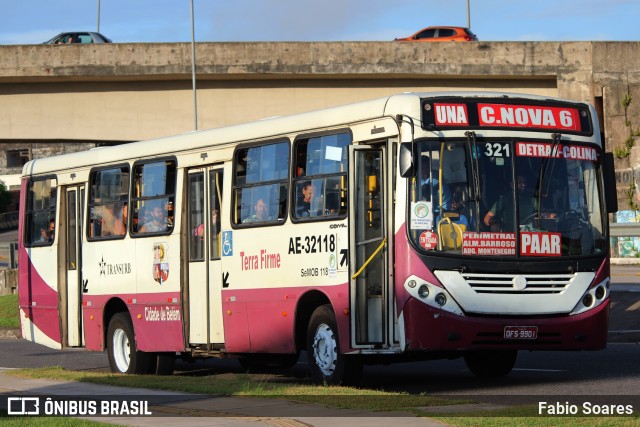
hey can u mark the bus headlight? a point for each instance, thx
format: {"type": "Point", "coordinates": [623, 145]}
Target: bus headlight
{"type": "Point", "coordinates": [431, 295]}
{"type": "Point", "coordinates": [593, 297]}
{"type": "Point", "coordinates": [441, 299]}
{"type": "Point", "coordinates": [423, 291]}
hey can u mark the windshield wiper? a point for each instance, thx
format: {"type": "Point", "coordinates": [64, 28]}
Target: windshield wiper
{"type": "Point", "coordinates": [475, 172]}
{"type": "Point", "coordinates": [557, 138]}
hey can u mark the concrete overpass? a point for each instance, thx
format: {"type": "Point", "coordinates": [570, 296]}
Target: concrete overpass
{"type": "Point", "coordinates": [58, 98]}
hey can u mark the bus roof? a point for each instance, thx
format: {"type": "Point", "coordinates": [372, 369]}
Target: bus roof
{"type": "Point", "coordinates": [260, 129]}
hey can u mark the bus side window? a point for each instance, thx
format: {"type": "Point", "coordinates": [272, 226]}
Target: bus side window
{"type": "Point", "coordinates": [261, 175]}
{"type": "Point", "coordinates": [108, 198]}
{"type": "Point", "coordinates": [152, 201]}
{"type": "Point", "coordinates": [320, 183]}
{"type": "Point", "coordinates": [40, 211]}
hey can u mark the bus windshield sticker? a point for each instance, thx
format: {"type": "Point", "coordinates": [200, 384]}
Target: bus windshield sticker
{"type": "Point", "coordinates": [333, 265]}
{"type": "Point", "coordinates": [539, 244]}
{"type": "Point", "coordinates": [333, 153]}
{"type": "Point", "coordinates": [421, 216]}
{"type": "Point", "coordinates": [160, 266]}
{"type": "Point", "coordinates": [484, 243]}
{"type": "Point", "coordinates": [428, 240]}
{"type": "Point", "coordinates": [542, 149]}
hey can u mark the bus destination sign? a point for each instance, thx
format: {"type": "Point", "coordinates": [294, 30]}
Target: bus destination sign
{"type": "Point", "coordinates": [567, 119]}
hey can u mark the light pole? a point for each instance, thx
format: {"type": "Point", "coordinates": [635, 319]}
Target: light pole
{"type": "Point", "coordinates": [98, 24]}
{"type": "Point", "coordinates": [193, 72]}
{"type": "Point", "coordinates": [468, 15]}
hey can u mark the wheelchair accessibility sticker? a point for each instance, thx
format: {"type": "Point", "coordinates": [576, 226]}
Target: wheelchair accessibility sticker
{"type": "Point", "coordinates": [227, 243]}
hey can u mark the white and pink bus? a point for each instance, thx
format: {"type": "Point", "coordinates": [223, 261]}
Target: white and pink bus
{"type": "Point", "coordinates": [416, 226]}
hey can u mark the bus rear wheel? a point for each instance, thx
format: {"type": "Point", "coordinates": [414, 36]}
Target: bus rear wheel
{"type": "Point", "coordinates": [124, 357]}
{"type": "Point", "coordinates": [327, 364]}
{"type": "Point", "coordinates": [491, 364]}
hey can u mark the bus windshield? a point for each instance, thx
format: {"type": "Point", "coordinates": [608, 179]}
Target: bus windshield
{"type": "Point", "coordinates": [506, 197]}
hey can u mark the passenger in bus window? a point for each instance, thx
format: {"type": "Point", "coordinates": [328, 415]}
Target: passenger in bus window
{"type": "Point", "coordinates": [430, 187]}
{"type": "Point", "coordinates": [261, 212]}
{"type": "Point", "coordinates": [52, 229]}
{"type": "Point", "coordinates": [108, 220]}
{"type": "Point", "coordinates": [157, 221]}
{"type": "Point", "coordinates": [459, 205]}
{"type": "Point", "coordinates": [215, 233]}
{"type": "Point", "coordinates": [44, 236]}
{"type": "Point", "coordinates": [169, 211]}
{"type": "Point", "coordinates": [502, 214]}
{"type": "Point", "coordinates": [120, 227]}
{"type": "Point", "coordinates": [303, 203]}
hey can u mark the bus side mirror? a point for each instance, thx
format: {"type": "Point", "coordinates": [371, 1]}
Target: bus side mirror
{"type": "Point", "coordinates": [406, 160]}
{"type": "Point", "coordinates": [609, 177]}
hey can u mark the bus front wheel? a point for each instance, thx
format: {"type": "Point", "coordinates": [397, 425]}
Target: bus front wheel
{"type": "Point", "coordinates": [327, 364]}
{"type": "Point", "coordinates": [124, 357]}
{"type": "Point", "coordinates": [491, 364]}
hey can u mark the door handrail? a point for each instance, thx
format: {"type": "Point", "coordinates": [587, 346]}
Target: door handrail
{"type": "Point", "coordinates": [356, 274]}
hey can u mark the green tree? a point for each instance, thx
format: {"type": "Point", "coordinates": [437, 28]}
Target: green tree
{"type": "Point", "coordinates": [5, 197]}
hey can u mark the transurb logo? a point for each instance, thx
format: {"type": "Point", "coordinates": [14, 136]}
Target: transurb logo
{"type": "Point", "coordinates": [107, 269]}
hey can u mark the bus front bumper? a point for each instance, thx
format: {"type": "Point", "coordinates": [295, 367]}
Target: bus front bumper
{"type": "Point", "coordinates": [428, 328]}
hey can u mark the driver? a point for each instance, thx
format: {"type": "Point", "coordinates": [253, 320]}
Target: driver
{"type": "Point", "coordinates": [500, 216]}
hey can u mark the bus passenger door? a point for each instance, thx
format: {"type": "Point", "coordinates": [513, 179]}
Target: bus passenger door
{"type": "Point", "coordinates": [70, 240]}
{"type": "Point", "coordinates": [368, 255]}
{"type": "Point", "coordinates": [204, 284]}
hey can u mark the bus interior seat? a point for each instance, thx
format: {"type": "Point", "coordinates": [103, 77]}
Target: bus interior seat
{"type": "Point", "coordinates": [332, 202]}
{"type": "Point", "coordinates": [451, 226]}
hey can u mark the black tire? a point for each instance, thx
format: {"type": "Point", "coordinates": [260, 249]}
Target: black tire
{"type": "Point", "coordinates": [328, 365]}
{"type": "Point", "coordinates": [124, 357]}
{"type": "Point", "coordinates": [163, 363]}
{"type": "Point", "coordinates": [491, 364]}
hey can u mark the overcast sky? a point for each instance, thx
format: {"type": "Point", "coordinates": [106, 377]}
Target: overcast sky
{"type": "Point", "coordinates": [35, 21]}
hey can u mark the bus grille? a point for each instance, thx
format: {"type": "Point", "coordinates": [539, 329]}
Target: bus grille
{"type": "Point", "coordinates": [515, 283]}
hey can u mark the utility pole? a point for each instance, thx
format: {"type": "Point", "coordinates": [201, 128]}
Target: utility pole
{"type": "Point", "coordinates": [468, 15]}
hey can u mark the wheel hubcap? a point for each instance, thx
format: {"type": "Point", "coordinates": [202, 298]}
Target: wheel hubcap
{"type": "Point", "coordinates": [325, 350]}
{"type": "Point", "coordinates": [121, 351]}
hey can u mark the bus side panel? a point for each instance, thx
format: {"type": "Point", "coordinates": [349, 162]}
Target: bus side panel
{"type": "Point", "coordinates": [94, 328]}
{"type": "Point", "coordinates": [38, 300]}
{"type": "Point", "coordinates": [236, 324]}
{"type": "Point", "coordinates": [38, 303]}
{"type": "Point", "coordinates": [157, 323]}
{"type": "Point", "coordinates": [271, 312]}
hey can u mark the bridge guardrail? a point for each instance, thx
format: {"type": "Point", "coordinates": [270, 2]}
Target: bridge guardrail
{"type": "Point", "coordinates": [624, 229]}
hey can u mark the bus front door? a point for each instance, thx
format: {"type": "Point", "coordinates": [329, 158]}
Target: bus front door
{"type": "Point", "coordinates": [204, 283]}
{"type": "Point", "coordinates": [368, 255]}
{"type": "Point", "coordinates": [70, 241]}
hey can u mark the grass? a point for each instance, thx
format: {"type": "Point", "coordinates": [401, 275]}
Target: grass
{"type": "Point", "coordinates": [272, 386]}
{"type": "Point", "coordinates": [9, 317]}
{"type": "Point", "coordinates": [249, 385]}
